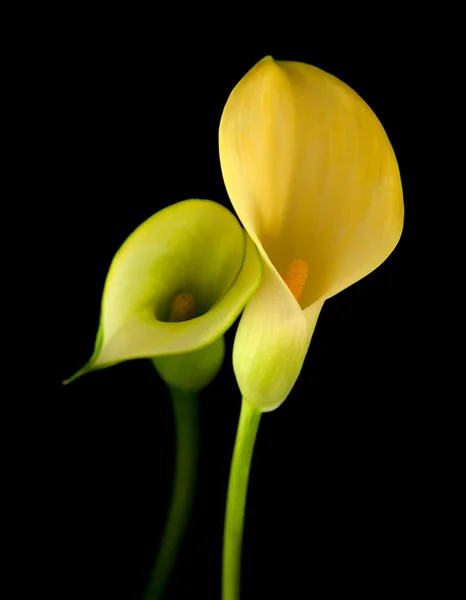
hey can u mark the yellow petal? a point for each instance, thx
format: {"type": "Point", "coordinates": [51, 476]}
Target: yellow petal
{"type": "Point", "coordinates": [311, 174]}
{"type": "Point", "coordinates": [313, 177]}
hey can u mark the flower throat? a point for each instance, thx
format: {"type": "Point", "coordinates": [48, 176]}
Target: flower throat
{"type": "Point", "coordinates": [182, 308]}
{"type": "Point", "coordinates": [295, 277]}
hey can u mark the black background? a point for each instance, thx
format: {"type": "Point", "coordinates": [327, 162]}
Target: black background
{"type": "Point", "coordinates": [131, 121]}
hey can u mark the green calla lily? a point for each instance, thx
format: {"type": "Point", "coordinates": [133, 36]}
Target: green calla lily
{"type": "Point", "coordinates": [174, 287]}
{"type": "Point", "coordinates": [194, 247]}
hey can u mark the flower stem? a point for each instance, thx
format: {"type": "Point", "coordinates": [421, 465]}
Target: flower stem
{"type": "Point", "coordinates": [186, 416]}
{"type": "Point", "coordinates": [236, 500]}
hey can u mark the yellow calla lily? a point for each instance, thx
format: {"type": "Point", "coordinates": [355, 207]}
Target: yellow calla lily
{"type": "Point", "coordinates": [313, 177]}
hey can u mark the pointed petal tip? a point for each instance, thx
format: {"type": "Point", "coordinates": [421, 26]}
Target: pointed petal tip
{"type": "Point", "coordinates": [269, 61]}
{"type": "Point", "coordinates": [78, 374]}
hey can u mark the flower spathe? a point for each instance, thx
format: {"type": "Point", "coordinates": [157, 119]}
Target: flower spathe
{"type": "Point", "coordinates": [313, 177]}
{"type": "Point", "coordinates": [193, 249]}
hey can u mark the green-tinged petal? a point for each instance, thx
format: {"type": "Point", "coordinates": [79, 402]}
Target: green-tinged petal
{"type": "Point", "coordinates": [196, 247]}
{"type": "Point", "coordinates": [271, 343]}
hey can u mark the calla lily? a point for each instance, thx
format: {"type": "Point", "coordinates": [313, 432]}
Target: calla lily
{"type": "Point", "coordinates": [173, 288]}
{"type": "Point", "coordinates": [195, 249]}
{"type": "Point", "coordinates": [312, 176]}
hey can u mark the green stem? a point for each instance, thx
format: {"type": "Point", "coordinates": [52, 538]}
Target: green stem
{"type": "Point", "coordinates": [236, 500]}
{"type": "Point", "coordinates": [186, 416]}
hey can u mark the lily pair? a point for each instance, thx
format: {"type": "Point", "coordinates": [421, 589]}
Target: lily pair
{"type": "Point", "coordinates": [314, 181]}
